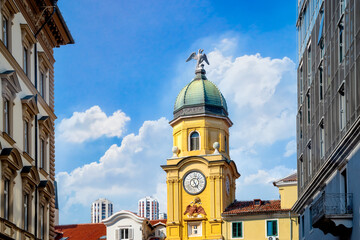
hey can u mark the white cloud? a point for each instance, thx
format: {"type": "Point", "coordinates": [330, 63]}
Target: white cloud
{"type": "Point", "coordinates": [92, 124]}
{"type": "Point", "coordinates": [124, 173]}
{"type": "Point", "coordinates": [259, 184]}
{"type": "Point", "coordinates": [267, 176]}
{"type": "Point", "coordinates": [260, 105]}
{"type": "Point", "coordinates": [290, 148]}
{"type": "Point", "coordinates": [256, 90]}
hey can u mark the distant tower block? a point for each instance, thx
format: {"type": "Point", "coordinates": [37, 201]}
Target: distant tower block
{"type": "Point", "coordinates": [149, 208]}
{"type": "Point", "coordinates": [101, 209]}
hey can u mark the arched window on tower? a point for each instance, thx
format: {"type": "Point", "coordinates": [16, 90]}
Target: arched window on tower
{"type": "Point", "coordinates": [194, 141]}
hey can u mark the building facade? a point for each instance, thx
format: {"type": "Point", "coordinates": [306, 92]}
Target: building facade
{"type": "Point", "coordinates": [148, 207]}
{"type": "Point", "coordinates": [264, 219]}
{"type": "Point", "coordinates": [328, 121]}
{"type": "Point", "coordinates": [101, 209]}
{"type": "Point", "coordinates": [200, 174]}
{"type": "Point", "coordinates": [127, 225]}
{"type": "Point", "coordinates": [29, 31]}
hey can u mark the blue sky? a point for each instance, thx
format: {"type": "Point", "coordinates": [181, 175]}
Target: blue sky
{"type": "Point", "coordinates": [116, 86]}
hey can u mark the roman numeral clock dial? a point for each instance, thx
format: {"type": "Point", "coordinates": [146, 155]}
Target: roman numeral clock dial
{"type": "Point", "coordinates": [194, 182]}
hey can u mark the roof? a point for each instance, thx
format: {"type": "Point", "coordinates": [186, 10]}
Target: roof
{"type": "Point", "coordinates": [249, 207]}
{"type": "Point", "coordinates": [89, 231]}
{"type": "Point", "coordinates": [201, 92]}
{"type": "Point", "coordinates": [157, 221]}
{"type": "Point", "coordinates": [288, 180]}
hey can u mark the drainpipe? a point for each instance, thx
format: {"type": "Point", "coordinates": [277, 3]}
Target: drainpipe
{"type": "Point", "coordinates": [36, 116]}
{"type": "Point", "coordinates": [291, 227]}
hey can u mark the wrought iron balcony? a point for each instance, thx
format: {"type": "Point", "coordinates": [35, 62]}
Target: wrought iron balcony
{"type": "Point", "coordinates": [332, 213]}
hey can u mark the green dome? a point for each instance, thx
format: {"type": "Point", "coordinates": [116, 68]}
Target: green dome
{"type": "Point", "coordinates": [200, 96]}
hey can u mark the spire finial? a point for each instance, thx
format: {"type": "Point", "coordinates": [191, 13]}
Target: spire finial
{"type": "Point", "coordinates": [200, 57]}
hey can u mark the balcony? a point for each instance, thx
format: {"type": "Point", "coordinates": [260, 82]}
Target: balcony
{"type": "Point", "coordinates": [333, 213]}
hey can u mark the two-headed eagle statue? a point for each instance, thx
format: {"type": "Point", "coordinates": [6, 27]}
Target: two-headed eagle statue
{"type": "Point", "coordinates": [200, 57]}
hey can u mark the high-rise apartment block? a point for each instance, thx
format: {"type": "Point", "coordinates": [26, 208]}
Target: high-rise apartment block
{"type": "Point", "coordinates": [30, 30]}
{"type": "Point", "coordinates": [149, 208]}
{"type": "Point", "coordinates": [162, 215]}
{"type": "Point", "coordinates": [101, 209]}
{"type": "Point", "coordinates": [328, 119]}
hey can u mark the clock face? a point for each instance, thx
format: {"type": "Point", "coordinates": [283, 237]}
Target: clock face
{"type": "Point", "coordinates": [227, 185]}
{"type": "Point", "coordinates": [194, 182]}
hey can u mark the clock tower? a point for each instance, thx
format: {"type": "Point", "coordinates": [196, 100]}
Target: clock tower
{"type": "Point", "coordinates": [200, 174]}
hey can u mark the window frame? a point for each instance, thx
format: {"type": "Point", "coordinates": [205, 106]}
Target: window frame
{"type": "Point", "coordinates": [308, 107]}
{"type": "Point", "coordinates": [42, 85]}
{"type": "Point", "coordinates": [27, 136]}
{"type": "Point", "coordinates": [321, 82]}
{"type": "Point", "coordinates": [190, 141]}
{"type": "Point", "coordinates": [5, 30]}
{"type": "Point", "coordinates": [242, 230]}
{"type": "Point", "coordinates": [277, 227]}
{"type": "Point", "coordinates": [199, 229]}
{"type": "Point", "coordinates": [7, 116]}
{"type": "Point", "coordinates": [26, 210]}
{"type": "Point", "coordinates": [322, 138]}
{"type": "Point", "coordinates": [309, 64]}
{"type": "Point", "coordinates": [309, 158]}
{"type": "Point", "coordinates": [6, 198]}
{"type": "Point", "coordinates": [342, 106]}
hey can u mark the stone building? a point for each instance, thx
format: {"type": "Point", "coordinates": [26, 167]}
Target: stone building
{"type": "Point", "coordinates": [29, 31]}
{"type": "Point", "coordinates": [328, 119]}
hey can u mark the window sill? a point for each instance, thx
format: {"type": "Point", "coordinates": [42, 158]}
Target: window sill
{"type": "Point", "coordinates": [28, 157]}
{"type": "Point", "coordinates": [8, 138]}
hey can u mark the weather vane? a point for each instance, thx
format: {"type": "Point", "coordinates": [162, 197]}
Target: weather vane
{"type": "Point", "coordinates": [200, 57]}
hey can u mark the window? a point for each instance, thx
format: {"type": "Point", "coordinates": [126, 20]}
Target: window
{"type": "Point", "coordinates": [42, 222]}
{"type": "Point", "coordinates": [26, 212]}
{"type": "Point", "coordinates": [309, 159]}
{"type": "Point", "coordinates": [42, 84]}
{"type": "Point", "coordinates": [271, 228]}
{"type": "Point", "coordinates": [194, 141]}
{"type": "Point", "coordinates": [300, 124]}
{"type": "Point", "coordinates": [302, 172]}
{"type": "Point", "coordinates": [308, 109]}
{"type": "Point", "coordinates": [25, 61]}
{"type": "Point", "coordinates": [237, 230]}
{"type": "Point", "coordinates": [321, 82]}
{"type": "Point", "coordinates": [194, 229]}
{"type": "Point", "coordinates": [321, 40]}
{"type": "Point", "coordinates": [6, 198]}
{"type": "Point", "coordinates": [341, 41]}
{"type": "Point", "coordinates": [26, 137]}
{"type": "Point", "coordinates": [342, 7]}
{"type": "Point", "coordinates": [5, 32]}
{"type": "Point", "coordinates": [342, 109]}
{"type": "Point", "coordinates": [42, 153]}
{"type": "Point", "coordinates": [309, 66]}
{"type": "Point", "coordinates": [124, 233]}
{"type": "Point", "coordinates": [322, 139]}
{"type": "Point", "coordinates": [301, 84]}
{"type": "Point", "coordinates": [6, 116]}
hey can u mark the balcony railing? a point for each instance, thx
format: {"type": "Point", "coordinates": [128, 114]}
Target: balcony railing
{"type": "Point", "coordinates": [332, 204]}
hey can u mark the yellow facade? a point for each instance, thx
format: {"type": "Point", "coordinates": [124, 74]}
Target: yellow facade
{"type": "Point", "coordinates": [216, 168]}
{"type": "Point", "coordinates": [288, 195]}
{"type": "Point", "coordinates": [254, 225]}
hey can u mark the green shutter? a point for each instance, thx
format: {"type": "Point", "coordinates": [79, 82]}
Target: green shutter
{"type": "Point", "coordinates": [271, 228]}
{"type": "Point", "coordinates": [236, 229]}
